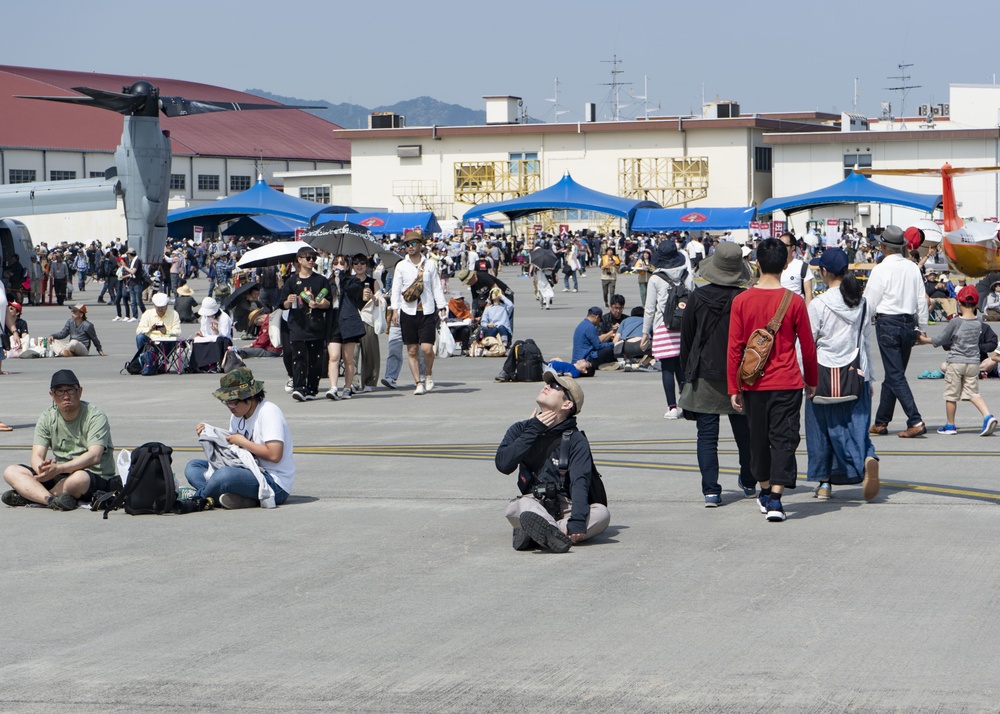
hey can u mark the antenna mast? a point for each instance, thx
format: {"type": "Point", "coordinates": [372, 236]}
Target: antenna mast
{"type": "Point", "coordinates": [903, 89]}
{"type": "Point", "coordinates": [555, 101]}
{"type": "Point", "coordinates": [615, 86]}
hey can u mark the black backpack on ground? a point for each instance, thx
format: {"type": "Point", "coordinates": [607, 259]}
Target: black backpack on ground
{"type": "Point", "coordinates": [150, 486]}
{"type": "Point", "coordinates": [524, 363]}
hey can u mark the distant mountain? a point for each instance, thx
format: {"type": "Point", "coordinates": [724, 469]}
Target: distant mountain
{"type": "Point", "coordinates": [422, 111]}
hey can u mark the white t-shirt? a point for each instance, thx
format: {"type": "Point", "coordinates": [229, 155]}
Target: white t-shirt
{"type": "Point", "coordinates": [791, 277]}
{"type": "Point", "coordinates": [268, 424]}
{"type": "Point", "coordinates": [694, 249]}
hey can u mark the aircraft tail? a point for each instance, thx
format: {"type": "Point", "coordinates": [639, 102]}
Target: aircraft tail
{"type": "Point", "coordinates": [951, 220]}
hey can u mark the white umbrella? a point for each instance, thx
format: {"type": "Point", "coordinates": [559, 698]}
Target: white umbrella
{"type": "Point", "coordinates": [276, 253]}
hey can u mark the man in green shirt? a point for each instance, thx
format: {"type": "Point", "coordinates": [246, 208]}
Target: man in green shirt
{"type": "Point", "coordinates": [82, 462]}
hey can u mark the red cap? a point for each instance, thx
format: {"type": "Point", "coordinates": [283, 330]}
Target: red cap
{"type": "Point", "coordinates": [968, 295]}
{"type": "Point", "coordinates": [914, 237]}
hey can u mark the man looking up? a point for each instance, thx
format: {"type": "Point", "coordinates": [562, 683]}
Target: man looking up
{"type": "Point", "coordinates": [79, 437]}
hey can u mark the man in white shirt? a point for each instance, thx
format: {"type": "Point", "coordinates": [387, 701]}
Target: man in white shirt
{"type": "Point", "coordinates": [895, 295]}
{"type": "Point", "coordinates": [796, 276]}
{"type": "Point", "coordinates": [418, 317]}
{"type": "Point", "coordinates": [695, 251]}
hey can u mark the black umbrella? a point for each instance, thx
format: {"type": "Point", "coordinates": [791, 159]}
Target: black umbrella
{"type": "Point", "coordinates": [544, 258]}
{"type": "Point", "coordinates": [341, 237]}
{"type": "Point", "coordinates": [240, 292]}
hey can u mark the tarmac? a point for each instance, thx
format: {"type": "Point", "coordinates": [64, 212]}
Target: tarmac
{"type": "Point", "coordinates": [388, 583]}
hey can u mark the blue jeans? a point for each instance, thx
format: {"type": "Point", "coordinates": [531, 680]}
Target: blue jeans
{"type": "Point", "coordinates": [708, 451]}
{"type": "Point", "coordinates": [576, 283]}
{"type": "Point", "coordinates": [837, 439]}
{"type": "Point", "coordinates": [135, 292]}
{"type": "Point", "coordinates": [670, 369]}
{"type": "Point", "coordinates": [896, 335]}
{"type": "Point", "coordinates": [228, 479]}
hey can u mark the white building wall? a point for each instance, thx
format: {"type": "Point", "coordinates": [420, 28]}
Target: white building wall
{"type": "Point", "coordinates": [975, 106]}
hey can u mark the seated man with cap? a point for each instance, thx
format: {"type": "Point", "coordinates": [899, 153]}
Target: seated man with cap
{"type": "Point", "coordinates": [82, 463]}
{"type": "Point", "coordinates": [562, 499]}
{"type": "Point", "coordinates": [159, 323]}
{"type": "Point", "coordinates": [588, 345]}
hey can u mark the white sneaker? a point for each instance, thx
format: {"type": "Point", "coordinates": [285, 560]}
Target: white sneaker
{"type": "Point", "coordinates": [288, 386]}
{"type": "Point", "coordinates": [565, 290]}
{"type": "Point", "coordinates": [116, 319]}
{"type": "Point", "coordinates": [674, 413]}
{"type": "Point", "coordinates": [420, 389]}
{"type": "Point", "coordinates": [575, 290]}
{"type": "Point", "coordinates": [367, 389]}
{"type": "Point", "coordinates": [428, 384]}
{"type": "Point", "coordinates": [133, 319]}
{"type": "Point", "coordinates": [333, 394]}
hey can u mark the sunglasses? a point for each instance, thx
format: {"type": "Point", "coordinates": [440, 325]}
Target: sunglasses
{"type": "Point", "coordinates": [359, 262]}
{"type": "Point", "coordinates": [555, 385]}
{"type": "Point", "coordinates": [411, 243]}
{"type": "Point", "coordinates": [310, 258]}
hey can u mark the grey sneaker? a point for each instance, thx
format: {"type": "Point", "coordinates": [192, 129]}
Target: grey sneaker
{"type": "Point", "coordinates": [522, 541]}
{"type": "Point", "coordinates": [13, 499]}
{"type": "Point", "coordinates": [63, 502]}
{"type": "Point", "coordinates": [713, 500]}
{"type": "Point", "coordinates": [389, 383]}
{"type": "Point", "coordinates": [232, 501]}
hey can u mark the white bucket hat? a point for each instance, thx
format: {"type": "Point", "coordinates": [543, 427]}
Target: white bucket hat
{"type": "Point", "coordinates": [209, 306]}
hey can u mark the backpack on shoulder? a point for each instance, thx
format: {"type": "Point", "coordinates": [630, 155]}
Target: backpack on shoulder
{"type": "Point", "coordinates": [758, 348]}
{"type": "Point", "coordinates": [150, 486]}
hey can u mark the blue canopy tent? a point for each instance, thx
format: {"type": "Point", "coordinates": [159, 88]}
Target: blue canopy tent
{"type": "Point", "coordinates": [260, 200]}
{"type": "Point", "coordinates": [487, 223]}
{"type": "Point", "coordinates": [650, 220]}
{"type": "Point", "coordinates": [384, 223]}
{"type": "Point", "coordinates": [263, 226]}
{"type": "Point", "coordinates": [856, 188]}
{"type": "Point", "coordinates": [566, 193]}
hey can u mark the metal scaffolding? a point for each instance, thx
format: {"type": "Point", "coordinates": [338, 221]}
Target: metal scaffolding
{"type": "Point", "coordinates": [666, 180]}
{"type": "Point", "coordinates": [422, 196]}
{"type": "Point", "coordinates": [490, 181]}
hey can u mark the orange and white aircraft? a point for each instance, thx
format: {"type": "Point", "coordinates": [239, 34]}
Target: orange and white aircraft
{"type": "Point", "coordinates": [972, 248]}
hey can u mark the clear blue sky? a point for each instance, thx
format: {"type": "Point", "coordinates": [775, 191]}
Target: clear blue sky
{"type": "Point", "coordinates": [769, 55]}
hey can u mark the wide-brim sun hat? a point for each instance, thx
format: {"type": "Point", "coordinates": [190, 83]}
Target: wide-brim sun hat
{"type": "Point", "coordinates": [726, 266]}
{"type": "Point", "coordinates": [666, 256]}
{"type": "Point", "coordinates": [209, 306]}
{"type": "Point", "coordinates": [238, 384]}
{"type": "Point", "coordinates": [185, 291]}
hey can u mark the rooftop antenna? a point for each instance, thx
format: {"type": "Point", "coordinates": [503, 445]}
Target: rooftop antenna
{"type": "Point", "coordinates": [615, 86]}
{"type": "Point", "coordinates": [903, 89]}
{"type": "Point", "coordinates": [644, 97]}
{"type": "Point", "coordinates": [555, 102]}
{"type": "Point", "coordinates": [857, 93]}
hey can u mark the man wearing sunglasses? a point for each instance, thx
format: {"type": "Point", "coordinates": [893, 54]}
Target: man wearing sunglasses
{"type": "Point", "coordinates": [562, 499]}
{"type": "Point", "coordinates": [418, 318]}
{"type": "Point", "coordinates": [82, 461]}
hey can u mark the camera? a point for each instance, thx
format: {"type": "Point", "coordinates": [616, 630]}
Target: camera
{"type": "Point", "coordinates": [544, 491]}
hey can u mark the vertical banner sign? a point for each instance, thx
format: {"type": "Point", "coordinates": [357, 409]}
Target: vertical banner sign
{"type": "Point", "coordinates": [198, 232]}
{"type": "Point", "coordinates": [832, 231]}
{"type": "Point", "coordinates": [777, 228]}
{"type": "Point", "coordinates": [299, 232]}
{"type": "Point", "coordinates": [564, 228]}
{"type": "Point", "coordinates": [480, 228]}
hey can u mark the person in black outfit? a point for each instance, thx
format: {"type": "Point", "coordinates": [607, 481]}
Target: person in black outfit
{"type": "Point", "coordinates": [480, 282]}
{"type": "Point", "coordinates": [704, 345]}
{"type": "Point", "coordinates": [185, 305]}
{"type": "Point", "coordinates": [346, 329]}
{"type": "Point", "coordinates": [306, 295]}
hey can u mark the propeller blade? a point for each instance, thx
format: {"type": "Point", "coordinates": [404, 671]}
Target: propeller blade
{"type": "Point", "coordinates": [179, 106]}
{"type": "Point", "coordinates": [926, 172]}
{"type": "Point", "coordinates": [115, 101]}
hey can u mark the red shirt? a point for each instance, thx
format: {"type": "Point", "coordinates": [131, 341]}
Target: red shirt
{"type": "Point", "coordinates": [753, 309]}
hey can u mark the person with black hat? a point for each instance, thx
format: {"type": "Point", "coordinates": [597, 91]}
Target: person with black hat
{"type": "Point", "coordinates": [259, 427]}
{"type": "Point", "coordinates": [79, 436]}
{"type": "Point", "coordinates": [704, 340]}
{"type": "Point", "coordinates": [587, 344]}
{"type": "Point", "coordinates": [896, 296]}
{"type": "Point", "coordinates": [562, 499]}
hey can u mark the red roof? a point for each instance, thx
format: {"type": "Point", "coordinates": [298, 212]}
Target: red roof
{"type": "Point", "coordinates": [27, 123]}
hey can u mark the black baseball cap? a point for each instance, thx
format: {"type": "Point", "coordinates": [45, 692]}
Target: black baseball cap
{"type": "Point", "coordinates": [64, 378]}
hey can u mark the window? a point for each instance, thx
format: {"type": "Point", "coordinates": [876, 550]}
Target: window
{"type": "Point", "coordinates": [208, 182]}
{"type": "Point", "coordinates": [528, 160]}
{"type": "Point", "coordinates": [862, 161]}
{"type": "Point", "coordinates": [319, 194]}
{"type": "Point", "coordinates": [96, 174]}
{"type": "Point", "coordinates": [62, 175]}
{"type": "Point", "coordinates": [762, 159]}
{"type": "Point", "coordinates": [178, 182]}
{"type": "Point", "coordinates": [240, 183]}
{"type": "Point", "coordinates": [20, 175]}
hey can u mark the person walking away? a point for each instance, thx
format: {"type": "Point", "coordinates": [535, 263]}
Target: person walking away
{"type": "Point", "coordinates": [704, 339]}
{"type": "Point", "coordinates": [774, 401]}
{"type": "Point", "coordinates": [837, 440]}
{"type": "Point", "coordinates": [670, 278]}
{"type": "Point", "coordinates": [961, 374]}
{"type": "Point", "coordinates": [895, 294]}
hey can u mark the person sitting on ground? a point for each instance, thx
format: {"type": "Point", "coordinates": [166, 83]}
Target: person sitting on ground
{"type": "Point", "coordinates": [74, 339]}
{"type": "Point", "coordinates": [612, 318]}
{"type": "Point", "coordinates": [459, 310]}
{"type": "Point", "coordinates": [562, 499]}
{"type": "Point", "coordinates": [257, 425]}
{"type": "Point", "coordinates": [262, 346]}
{"type": "Point", "coordinates": [158, 323]}
{"type": "Point", "coordinates": [79, 436]}
{"type": "Point", "coordinates": [185, 304]}
{"type": "Point", "coordinates": [628, 341]}
{"type": "Point", "coordinates": [588, 345]}
{"type": "Point", "coordinates": [241, 309]}
{"type": "Point", "coordinates": [480, 282]}
{"type": "Point", "coordinates": [214, 321]}
{"type": "Point", "coordinates": [496, 318]}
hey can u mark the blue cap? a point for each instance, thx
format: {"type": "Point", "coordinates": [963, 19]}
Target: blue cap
{"type": "Point", "coordinates": [595, 311]}
{"type": "Point", "coordinates": [833, 261]}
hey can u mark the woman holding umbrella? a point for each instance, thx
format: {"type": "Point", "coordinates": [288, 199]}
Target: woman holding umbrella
{"type": "Point", "coordinates": [346, 328]}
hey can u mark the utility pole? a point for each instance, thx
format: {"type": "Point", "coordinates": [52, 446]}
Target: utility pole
{"type": "Point", "coordinates": [903, 89]}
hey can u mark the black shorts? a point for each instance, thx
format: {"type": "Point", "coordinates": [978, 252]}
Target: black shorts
{"type": "Point", "coordinates": [97, 483]}
{"type": "Point", "coordinates": [419, 328]}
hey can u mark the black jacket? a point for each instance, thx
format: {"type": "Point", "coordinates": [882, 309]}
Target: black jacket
{"type": "Point", "coordinates": [705, 333]}
{"type": "Point", "coordinates": [534, 450]}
